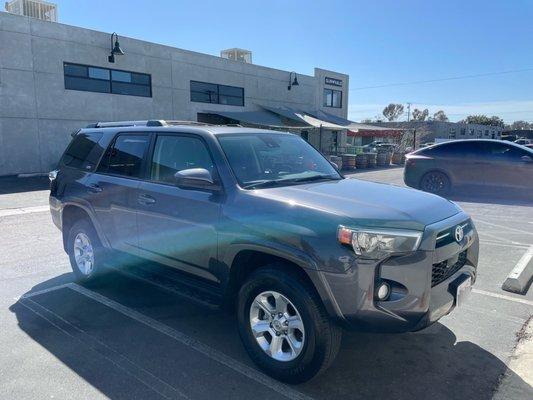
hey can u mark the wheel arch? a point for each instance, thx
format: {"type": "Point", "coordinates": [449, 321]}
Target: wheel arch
{"type": "Point", "coordinates": [74, 212]}
{"type": "Point", "coordinates": [243, 262]}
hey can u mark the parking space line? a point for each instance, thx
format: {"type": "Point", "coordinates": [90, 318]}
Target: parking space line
{"type": "Point", "coordinates": [504, 227]}
{"type": "Point", "coordinates": [122, 363]}
{"type": "Point", "coordinates": [513, 246]}
{"type": "Point", "coordinates": [209, 352]}
{"type": "Point", "coordinates": [503, 297]}
{"type": "Point", "coordinates": [47, 290]}
{"type": "Point", "coordinates": [23, 210]}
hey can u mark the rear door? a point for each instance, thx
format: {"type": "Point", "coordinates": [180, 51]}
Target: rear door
{"type": "Point", "coordinates": [457, 161]}
{"type": "Point", "coordinates": [177, 227]}
{"type": "Point", "coordinates": [113, 189]}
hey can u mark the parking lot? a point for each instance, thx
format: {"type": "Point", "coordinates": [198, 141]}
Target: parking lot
{"type": "Point", "coordinates": [141, 334]}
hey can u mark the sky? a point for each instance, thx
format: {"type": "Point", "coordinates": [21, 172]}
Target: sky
{"type": "Point", "coordinates": [386, 47]}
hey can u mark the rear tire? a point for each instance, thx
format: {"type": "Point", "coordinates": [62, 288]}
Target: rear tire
{"type": "Point", "coordinates": [436, 182]}
{"type": "Point", "coordinates": [85, 251]}
{"type": "Point", "coordinates": [292, 345]}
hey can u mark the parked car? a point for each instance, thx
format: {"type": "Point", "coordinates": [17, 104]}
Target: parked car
{"type": "Point", "coordinates": [523, 141]}
{"type": "Point", "coordinates": [265, 222]}
{"type": "Point", "coordinates": [379, 147]}
{"type": "Point", "coordinates": [470, 164]}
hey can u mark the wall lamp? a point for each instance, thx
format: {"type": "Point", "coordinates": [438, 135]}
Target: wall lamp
{"type": "Point", "coordinates": [293, 82]}
{"type": "Point", "coordinates": [115, 48]}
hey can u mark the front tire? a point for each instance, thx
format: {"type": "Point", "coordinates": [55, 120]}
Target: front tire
{"type": "Point", "coordinates": [284, 326]}
{"type": "Point", "coordinates": [436, 182]}
{"type": "Point", "coordinates": [85, 251]}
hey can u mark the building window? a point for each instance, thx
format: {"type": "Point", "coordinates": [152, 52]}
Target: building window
{"type": "Point", "coordinates": [332, 98]}
{"type": "Point", "coordinates": [104, 80]}
{"type": "Point", "coordinates": [203, 92]}
{"type": "Point", "coordinates": [463, 131]}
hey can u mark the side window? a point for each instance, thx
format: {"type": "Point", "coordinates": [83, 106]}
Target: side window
{"type": "Point", "coordinates": [83, 152]}
{"type": "Point", "coordinates": [125, 155]}
{"type": "Point", "coordinates": [176, 153]}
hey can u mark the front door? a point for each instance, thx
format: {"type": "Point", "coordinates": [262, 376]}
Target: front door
{"type": "Point", "coordinates": [177, 227]}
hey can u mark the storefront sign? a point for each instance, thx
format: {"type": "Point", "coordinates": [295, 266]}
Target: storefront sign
{"type": "Point", "coordinates": [332, 81]}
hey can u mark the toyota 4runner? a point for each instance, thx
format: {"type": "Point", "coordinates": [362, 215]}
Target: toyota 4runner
{"type": "Point", "coordinates": [300, 251]}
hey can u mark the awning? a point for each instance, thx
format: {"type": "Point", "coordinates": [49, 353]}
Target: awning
{"type": "Point", "coordinates": [303, 116]}
{"type": "Point", "coordinates": [259, 117]}
{"type": "Point", "coordinates": [376, 133]}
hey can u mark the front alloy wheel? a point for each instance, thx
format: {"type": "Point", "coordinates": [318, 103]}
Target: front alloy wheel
{"type": "Point", "coordinates": [283, 324]}
{"type": "Point", "coordinates": [277, 326]}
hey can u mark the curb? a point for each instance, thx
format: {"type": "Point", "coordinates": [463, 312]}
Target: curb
{"type": "Point", "coordinates": [520, 276]}
{"type": "Point", "coordinates": [517, 381]}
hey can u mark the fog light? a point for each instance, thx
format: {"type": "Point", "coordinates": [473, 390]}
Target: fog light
{"type": "Point", "coordinates": [383, 291]}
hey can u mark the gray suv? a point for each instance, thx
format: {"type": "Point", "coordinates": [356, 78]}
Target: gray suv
{"type": "Point", "coordinates": [271, 227]}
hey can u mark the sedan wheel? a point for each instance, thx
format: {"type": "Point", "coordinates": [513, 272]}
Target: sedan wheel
{"type": "Point", "coordinates": [435, 182]}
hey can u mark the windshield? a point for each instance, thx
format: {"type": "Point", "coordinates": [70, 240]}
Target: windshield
{"type": "Point", "coordinates": [269, 159]}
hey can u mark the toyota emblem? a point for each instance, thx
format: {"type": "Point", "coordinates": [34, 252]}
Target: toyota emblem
{"type": "Point", "coordinates": [459, 234]}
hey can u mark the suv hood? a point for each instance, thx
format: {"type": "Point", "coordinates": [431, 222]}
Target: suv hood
{"type": "Point", "coordinates": [366, 203]}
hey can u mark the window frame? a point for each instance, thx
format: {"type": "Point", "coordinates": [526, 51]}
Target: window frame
{"type": "Point", "coordinates": [218, 86]}
{"type": "Point", "coordinates": [324, 97]}
{"type": "Point", "coordinates": [142, 175]}
{"type": "Point", "coordinates": [94, 165]}
{"type": "Point", "coordinates": [110, 80]}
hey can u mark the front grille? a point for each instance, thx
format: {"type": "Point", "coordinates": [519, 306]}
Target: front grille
{"type": "Point", "coordinates": [441, 271]}
{"type": "Point", "coordinates": [447, 235]}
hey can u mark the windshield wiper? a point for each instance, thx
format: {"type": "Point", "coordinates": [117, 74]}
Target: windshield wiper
{"type": "Point", "coordinates": [276, 182]}
{"type": "Point", "coordinates": [314, 178]}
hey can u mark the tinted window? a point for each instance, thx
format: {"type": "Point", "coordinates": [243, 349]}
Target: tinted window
{"type": "Point", "coordinates": [459, 149]}
{"type": "Point", "coordinates": [105, 80]}
{"type": "Point", "coordinates": [124, 157]}
{"type": "Point", "coordinates": [83, 152]}
{"type": "Point", "coordinates": [219, 94]}
{"type": "Point", "coordinates": [502, 151]}
{"type": "Point", "coordinates": [332, 98]}
{"type": "Point", "coordinates": [176, 153]}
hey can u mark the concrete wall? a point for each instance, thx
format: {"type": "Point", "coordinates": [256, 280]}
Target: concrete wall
{"type": "Point", "coordinates": [37, 114]}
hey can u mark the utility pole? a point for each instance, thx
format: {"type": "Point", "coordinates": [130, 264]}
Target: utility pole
{"type": "Point", "coordinates": [408, 112]}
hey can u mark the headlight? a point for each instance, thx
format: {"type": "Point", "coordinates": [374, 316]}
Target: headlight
{"type": "Point", "coordinates": [377, 243]}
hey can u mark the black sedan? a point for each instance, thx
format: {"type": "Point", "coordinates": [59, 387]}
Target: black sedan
{"type": "Point", "coordinates": [470, 165]}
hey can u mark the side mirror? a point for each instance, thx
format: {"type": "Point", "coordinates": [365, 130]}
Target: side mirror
{"type": "Point", "coordinates": [526, 159]}
{"type": "Point", "coordinates": [195, 178]}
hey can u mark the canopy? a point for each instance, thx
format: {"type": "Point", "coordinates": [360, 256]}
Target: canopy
{"type": "Point", "coordinates": [259, 117]}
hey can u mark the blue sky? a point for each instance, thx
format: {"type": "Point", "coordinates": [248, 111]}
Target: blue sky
{"type": "Point", "coordinates": [375, 42]}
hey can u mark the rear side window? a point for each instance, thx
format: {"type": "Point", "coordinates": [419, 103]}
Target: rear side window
{"type": "Point", "coordinates": [125, 156]}
{"type": "Point", "coordinates": [83, 152]}
{"type": "Point", "coordinates": [176, 153]}
{"type": "Point", "coordinates": [460, 149]}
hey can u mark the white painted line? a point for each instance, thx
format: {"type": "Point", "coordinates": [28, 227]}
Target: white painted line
{"type": "Point", "coordinates": [512, 246]}
{"type": "Point", "coordinates": [521, 274]}
{"type": "Point", "coordinates": [216, 355]}
{"type": "Point", "coordinates": [47, 290]}
{"type": "Point", "coordinates": [503, 297]}
{"type": "Point", "coordinates": [23, 210]}
{"type": "Point", "coordinates": [129, 367]}
{"type": "Point", "coordinates": [504, 227]}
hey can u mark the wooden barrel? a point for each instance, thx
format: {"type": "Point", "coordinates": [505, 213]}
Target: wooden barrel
{"type": "Point", "coordinates": [383, 159]}
{"type": "Point", "coordinates": [348, 161]}
{"type": "Point", "coordinates": [371, 159]}
{"type": "Point", "coordinates": [361, 160]}
{"type": "Point", "coordinates": [337, 160]}
{"type": "Point", "coordinates": [397, 158]}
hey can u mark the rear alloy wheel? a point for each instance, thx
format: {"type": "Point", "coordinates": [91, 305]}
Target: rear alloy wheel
{"type": "Point", "coordinates": [284, 326]}
{"type": "Point", "coordinates": [84, 250]}
{"type": "Point", "coordinates": [435, 182]}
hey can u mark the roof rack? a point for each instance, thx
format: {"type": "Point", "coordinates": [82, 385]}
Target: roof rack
{"type": "Point", "coordinates": [150, 122]}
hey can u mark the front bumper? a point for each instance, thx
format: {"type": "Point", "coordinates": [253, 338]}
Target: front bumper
{"type": "Point", "coordinates": [415, 302]}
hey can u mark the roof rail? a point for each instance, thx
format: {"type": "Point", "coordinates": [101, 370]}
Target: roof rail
{"type": "Point", "coordinates": [150, 122]}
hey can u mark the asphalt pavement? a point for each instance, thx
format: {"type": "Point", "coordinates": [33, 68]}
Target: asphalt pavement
{"type": "Point", "coordinates": [136, 335]}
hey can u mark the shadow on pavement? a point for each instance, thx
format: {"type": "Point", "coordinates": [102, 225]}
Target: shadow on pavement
{"type": "Point", "coordinates": [13, 184]}
{"type": "Point", "coordinates": [425, 365]}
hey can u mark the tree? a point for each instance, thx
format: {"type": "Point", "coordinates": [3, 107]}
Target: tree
{"type": "Point", "coordinates": [420, 115]}
{"type": "Point", "coordinates": [393, 111]}
{"type": "Point", "coordinates": [484, 120]}
{"type": "Point", "coordinates": [521, 125]}
{"type": "Point", "coordinates": [440, 116]}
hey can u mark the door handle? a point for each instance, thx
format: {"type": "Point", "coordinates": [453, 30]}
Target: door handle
{"type": "Point", "coordinates": [145, 199]}
{"type": "Point", "coordinates": [94, 188]}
